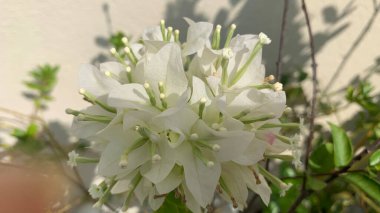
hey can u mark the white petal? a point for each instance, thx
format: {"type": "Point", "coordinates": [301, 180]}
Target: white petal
{"type": "Point", "coordinates": [197, 37]}
{"type": "Point", "coordinates": [170, 182]}
{"type": "Point", "coordinates": [152, 33]}
{"type": "Point", "coordinates": [158, 171]}
{"type": "Point", "coordinates": [167, 66]}
{"type": "Point", "coordinates": [154, 202]}
{"type": "Point", "coordinates": [199, 91]}
{"type": "Point", "coordinates": [124, 184]}
{"type": "Point", "coordinates": [113, 67]}
{"type": "Point", "coordinates": [119, 141]}
{"type": "Point", "coordinates": [191, 203]}
{"type": "Point", "coordinates": [252, 154]}
{"type": "Point", "coordinates": [95, 82]}
{"type": "Point", "coordinates": [200, 179]}
{"type": "Point", "coordinates": [128, 96]}
{"type": "Point", "coordinates": [142, 190]}
{"type": "Point", "coordinates": [262, 189]}
{"type": "Point", "coordinates": [176, 118]}
{"type": "Point", "coordinates": [233, 176]}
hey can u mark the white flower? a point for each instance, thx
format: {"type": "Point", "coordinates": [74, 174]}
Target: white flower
{"type": "Point", "coordinates": [95, 191]}
{"type": "Point", "coordinates": [72, 158]}
{"type": "Point", "coordinates": [264, 39]}
{"type": "Point", "coordinates": [192, 117]}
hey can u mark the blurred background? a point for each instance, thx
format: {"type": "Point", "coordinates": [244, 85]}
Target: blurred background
{"type": "Point", "coordinates": [71, 33]}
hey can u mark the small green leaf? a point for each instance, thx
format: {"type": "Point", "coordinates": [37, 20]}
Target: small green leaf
{"type": "Point", "coordinates": [375, 158]}
{"type": "Point", "coordinates": [342, 146]}
{"type": "Point", "coordinates": [366, 184]}
{"type": "Point", "coordinates": [32, 130]}
{"type": "Point", "coordinates": [316, 184]}
{"type": "Point", "coordinates": [322, 157]}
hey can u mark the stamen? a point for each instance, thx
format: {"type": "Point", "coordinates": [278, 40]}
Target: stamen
{"type": "Point", "coordinates": [197, 152]}
{"type": "Point", "coordinates": [202, 106]}
{"type": "Point", "coordinates": [234, 203]}
{"type": "Point", "coordinates": [113, 51]}
{"type": "Point", "coordinates": [194, 137]}
{"type": "Point", "coordinates": [163, 29]}
{"type": "Point", "coordinates": [176, 36]}
{"type": "Point", "coordinates": [216, 147]}
{"type": "Point", "coordinates": [242, 114]}
{"type": "Point", "coordinates": [274, 180]}
{"type": "Point", "coordinates": [156, 158]}
{"type": "Point", "coordinates": [215, 126]}
{"type": "Point", "coordinates": [130, 55]}
{"type": "Point", "coordinates": [136, 180]}
{"type": "Point", "coordinates": [161, 87]}
{"type": "Point", "coordinates": [229, 35]}
{"type": "Point", "coordinates": [97, 118]}
{"type": "Point", "coordinates": [239, 74]}
{"type": "Point", "coordinates": [150, 93]}
{"type": "Point", "coordinates": [72, 112]}
{"type": "Point", "coordinates": [163, 101]}
{"type": "Point", "coordinates": [75, 159]}
{"type": "Point", "coordinates": [257, 178]}
{"type": "Point", "coordinates": [92, 99]}
{"type": "Point", "coordinates": [288, 110]}
{"type": "Point", "coordinates": [106, 193]}
{"type": "Point", "coordinates": [276, 125]}
{"type": "Point", "coordinates": [222, 129]}
{"type": "Point", "coordinates": [111, 75]}
{"type": "Point", "coordinates": [277, 86]}
{"type": "Point", "coordinates": [210, 164]}
{"type": "Point", "coordinates": [216, 37]}
{"type": "Point", "coordinates": [169, 34]}
{"type": "Point", "coordinates": [115, 54]}
{"type": "Point", "coordinates": [284, 139]}
{"type": "Point", "coordinates": [125, 41]}
{"type": "Point", "coordinates": [269, 78]}
{"type": "Point", "coordinates": [281, 157]}
{"type": "Point", "coordinates": [224, 79]}
{"type": "Point", "coordinates": [129, 73]}
{"type": "Point", "coordinates": [260, 118]}
{"type": "Point", "coordinates": [123, 163]}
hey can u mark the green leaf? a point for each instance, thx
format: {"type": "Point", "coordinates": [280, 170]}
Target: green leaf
{"type": "Point", "coordinates": [316, 184]}
{"type": "Point", "coordinates": [322, 157]}
{"type": "Point", "coordinates": [375, 158]}
{"type": "Point", "coordinates": [342, 146]}
{"type": "Point", "coordinates": [173, 205]}
{"type": "Point", "coordinates": [366, 184]}
{"type": "Point", "coordinates": [32, 130]}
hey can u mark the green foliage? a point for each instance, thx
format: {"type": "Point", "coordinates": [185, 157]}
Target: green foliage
{"type": "Point", "coordinates": [116, 41]}
{"type": "Point", "coordinates": [41, 85]}
{"type": "Point", "coordinates": [362, 95]}
{"type": "Point", "coordinates": [366, 184]}
{"type": "Point", "coordinates": [322, 157]}
{"type": "Point", "coordinates": [342, 146]}
{"type": "Point", "coordinates": [27, 140]}
{"type": "Point", "coordinates": [173, 205]}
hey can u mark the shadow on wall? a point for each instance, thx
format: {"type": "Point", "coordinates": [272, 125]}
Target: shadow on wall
{"type": "Point", "coordinates": [255, 16]}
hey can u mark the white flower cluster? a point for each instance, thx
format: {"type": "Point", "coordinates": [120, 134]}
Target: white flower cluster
{"type": "Point", "coordinates": [192, 118]}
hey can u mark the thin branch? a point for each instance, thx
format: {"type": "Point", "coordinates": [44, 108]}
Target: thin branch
{"type": "Point", "coordinates": [310, 137]}
{"type": "Point", "coordinates": [282, 38]}
{"type": "Point", "coordinates": [305, 194]}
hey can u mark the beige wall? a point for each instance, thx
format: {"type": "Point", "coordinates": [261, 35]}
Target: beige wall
{"type": "Point", "coordinates": [70, 33]}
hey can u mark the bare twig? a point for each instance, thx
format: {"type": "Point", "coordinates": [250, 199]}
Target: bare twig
{"type": "Point", "coordinates": [310, 137]}
{"type": "Point", "coordinates": [282, 37]}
